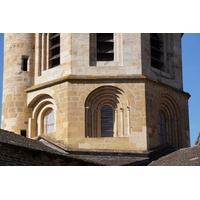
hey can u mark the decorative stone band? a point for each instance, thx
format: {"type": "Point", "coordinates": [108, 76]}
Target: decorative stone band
{"type": "Point", "coordinates": [86, 77]}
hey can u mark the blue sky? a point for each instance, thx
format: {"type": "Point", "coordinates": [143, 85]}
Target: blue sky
{"type": "Point", "coordinates": [191, 80]}
{"type": "Point", "coordinates": [1, 71]}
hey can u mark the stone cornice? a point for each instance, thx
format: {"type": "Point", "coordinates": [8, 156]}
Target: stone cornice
{"type": "Point", "coordinates": [83, 77]}
{"type": "Point", "coordinates": [71, 78]}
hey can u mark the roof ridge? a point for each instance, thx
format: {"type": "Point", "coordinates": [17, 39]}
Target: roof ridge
{"type": "Point", "coordinates": [53, 141]}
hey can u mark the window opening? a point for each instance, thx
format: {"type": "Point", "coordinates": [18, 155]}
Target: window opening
{"type": "Point", "coordinates": [50, 122]}
{"type": "Point", "coordinates": [107, 121]}
{"type": "Point", "coordinates": [105, 46]}
{"type": "Point", "coordinates": [161, 128]}
{"type": "Point", "coordinates": [54, 50]}
{"type": "Point", "coordinates": [24, 63]}
{"type": "Point", "coordinates": [156, 42]}
{"type": "Point", "coordinates": [23, 133]}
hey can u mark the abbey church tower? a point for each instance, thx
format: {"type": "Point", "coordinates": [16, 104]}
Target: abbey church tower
{"type": "Point", "coordinates": [18, 76]}
{"type": "Point", "coordinates": [114, 91]}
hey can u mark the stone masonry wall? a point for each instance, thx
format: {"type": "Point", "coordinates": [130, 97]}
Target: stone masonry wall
{"type": "Point", "coordinates": [15, 114]}
{"type": "Point", "coordinates": [179, 99]}
{"type": "Point", "coordinates": [172, 74]}
{"type": "Point", "coordinates": [70, 98]}
{"type": "Point", "coordinates": [65, 88]}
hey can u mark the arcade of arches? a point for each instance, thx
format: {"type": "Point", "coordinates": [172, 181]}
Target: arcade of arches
{"type": "Point", "coordinates": [111, 112]}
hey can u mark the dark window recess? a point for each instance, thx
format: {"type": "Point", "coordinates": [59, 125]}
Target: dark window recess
{"type": "Point", "coordinates": [156, 51]}
{"type": "Point", "coordinates": [54, 50]}
{"type": "Point", "coordinates": [107, 121]}
{"type": "Point", "coordinates": [105, 47]}
{"type": "Point", "coordinates": [23, 133]}
{"type": "Point", "coordinates": [25, 64]}
{"type": "Point", "coordinates": [161, 128]}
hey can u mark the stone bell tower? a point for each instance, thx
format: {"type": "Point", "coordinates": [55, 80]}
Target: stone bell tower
{"type": "Point", "coordinates": [18, 76]}
{"type": "Point", "coordinates": [111, 91]}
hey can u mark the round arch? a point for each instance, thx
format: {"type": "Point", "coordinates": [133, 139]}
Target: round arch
{"type": "Point", "coordinates": [171, 112]}
{"type": "Point", "coordinates": [41, 106]}
{"type": "Point", "coordinates": [98, 98]}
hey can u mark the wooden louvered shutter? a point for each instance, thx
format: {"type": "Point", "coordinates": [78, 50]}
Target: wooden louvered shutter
{"type": "Point", "coordinates": [105, 46]}
{"type": "Point", "coordinates": [54, 50]}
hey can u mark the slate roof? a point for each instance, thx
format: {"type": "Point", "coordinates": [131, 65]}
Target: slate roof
{"type": "Point", "coordinates": [113, 159]}
{"type": "Point", "coordinates": [18, 140]}
{"type": "Point", "coordinates": [183, 157]}
{"type": "Point", "coordinates": [98, 157]}
{"type": "Point", "coordinates": [110, 157]}
{"type": "Point", "coordinates": [121, 158]}
{"type": "Point", "coordinates": [50, 145]}
{"type": "Point", "coordinates": [89, 157]}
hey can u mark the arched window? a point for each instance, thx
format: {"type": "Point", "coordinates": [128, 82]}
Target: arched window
{"type": "Point", "coordinates": [43, 120]}
{"type": "Point", "coordinates": [47, 121]}
{"type": "Point", "coordinates": [161, 128]}
{"type": "Point", "coordinates": [169, 121]}
{"type": "Point", "coordinates": [157, 50]}
{"type": "Point", "coordinates": [107, 113]}
{"type": "Point", "coordinates": [50, 122]}
{"type": "Point", "coordinates": [107, 121]}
